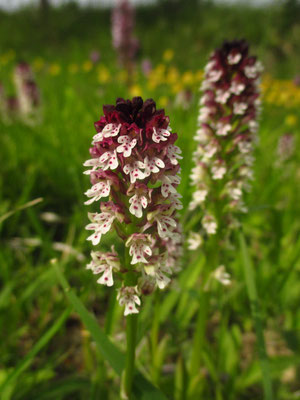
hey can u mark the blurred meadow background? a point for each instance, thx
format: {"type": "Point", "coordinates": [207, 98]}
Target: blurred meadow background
{"type": "Point", "coordinates": [46, 350]}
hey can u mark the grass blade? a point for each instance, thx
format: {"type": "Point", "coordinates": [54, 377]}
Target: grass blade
{"type": "Point", "coordinates": [142, 388]}
{"type": "Point", "coordinates": [257, 317]}
{"type": "Point", "coordinates": [25, 363]}
{"type": "Point", "coordinates": [22, 207]}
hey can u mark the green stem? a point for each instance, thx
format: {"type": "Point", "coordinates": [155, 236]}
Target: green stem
{"type": "Point", "coordinates": [257, 318]}
{"type": "Point", "coordinates": [110, 314]}
{"type": "Point", "coordinates": [212, 259]}
{"type": "Point", "coordinates": [155, 373]}
{"type": "Point", "coordinates": [131, 336]}
{"type": "Point", "coordinates": [199, 332]}
{"type": "Point", "coordinates": [199, 337]}
{"type": "Point", "coordinates": [131, 333]}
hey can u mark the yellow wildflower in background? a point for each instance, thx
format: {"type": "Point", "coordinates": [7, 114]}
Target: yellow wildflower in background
{"type": "Point", "coordinates": [103, 74]}
{"type": "Point", "coordinates": [3, 59]}
{"type": "Point", "coordinates": [87, 66]}
{"type": "Point", "coordinates": [122, 76]}
{"type": "Point", "coordinates": [291, 120]}
{"type": "Point", "coordinates": [168, 55]}
{"type": "Point", "coordinates": [54, 69]}
{"type": "Point", "coordinates": [73, 68]}
{"type": "Point", "coordinates": [199, 76]}
{"type": "Point", "coordinates": [188, 78]}
{"type": "Point", "coordinates": [177, 87]}
{"type": "Point", "coordinates": [163, 101]}
{"type": "Point", "coordinates": [135, 90]}
{"type": "Point", "coordinates": [7, 57]}
{"type": "Point", "coordinates": [38, 64]}
{"type": "Point", "coordinates": [152, 83]}
{"type": "Point", "coordinates": [172, 76]}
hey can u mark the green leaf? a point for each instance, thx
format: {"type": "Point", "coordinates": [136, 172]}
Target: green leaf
{"type": "Point", "coordinates": [256, 316]}
{"type": "Point", "coordinates": [142, 388]}
{"type": "Point", "coordinates": [25, 363]}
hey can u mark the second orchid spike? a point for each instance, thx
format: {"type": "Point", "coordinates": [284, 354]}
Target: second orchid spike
{"type": "Point", "coordinates": [227, 127]}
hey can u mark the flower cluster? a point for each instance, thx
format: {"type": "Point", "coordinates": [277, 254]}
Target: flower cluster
{"type": "Point", "coordinates": [123, 22]}
{"type": "Point", "coordinates": [27, 91]}
{"type": "Point", "coordinates": [227, 127]}
{"type": "Point", "coordinates": [134, 168]}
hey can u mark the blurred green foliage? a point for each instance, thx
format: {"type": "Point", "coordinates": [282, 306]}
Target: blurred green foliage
{"type": "Point", "coordinates": [46, 161]}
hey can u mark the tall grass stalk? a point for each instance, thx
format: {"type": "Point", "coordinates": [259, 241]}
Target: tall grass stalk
{"type": "Point", "coordinates": [131, 334]}
{"type": "Point", "coordinates": [131, 338]}
{"type": "Point", "coordinates": [257, 317]}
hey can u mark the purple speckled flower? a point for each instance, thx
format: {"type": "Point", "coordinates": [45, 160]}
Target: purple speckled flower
{"type": "Point", "coordinates": [227, 127]}
{"type": "Point", "coordinates": [134, 168]}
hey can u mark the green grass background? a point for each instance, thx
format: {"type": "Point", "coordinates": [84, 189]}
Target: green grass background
{"type": "Point", "coordinates": [46, 161]}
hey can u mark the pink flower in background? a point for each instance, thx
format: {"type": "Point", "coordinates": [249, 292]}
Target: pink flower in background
{"type": "Point", "coordinates": [95, 56]}
{"type": "Point", "coordinates": [285, 147]}
{"type": "Point", "coordinates": [123, 24]}
{"type": "Point", "coordinates": [135, 173]}
{"type": "Point", "coordinates": [146, 66]}
{"type": "Point", "coordinates": [227, 127]}
{"type": "Point", "coordinates": [27, 93]}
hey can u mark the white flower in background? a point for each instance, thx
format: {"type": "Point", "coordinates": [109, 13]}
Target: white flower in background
{"type": "Point", "coordinates": [223, 129]}
{"type": "Point", "coordinates": [222, 276]}
{"type": "Point", "coordinates": [218, 171]}
{"type": "Point", "coordinates": [222, 96]}
{"type": "Point", "coordinates": [198, 198]}
{"type": "Point", "coordinates": [239, 108]}
{"type": "Point", "coordinates": [194, 241]}
{"type": "Point", "coordinates": [237, 87]}
{"type": "Point", "coordinates": [209, 224]}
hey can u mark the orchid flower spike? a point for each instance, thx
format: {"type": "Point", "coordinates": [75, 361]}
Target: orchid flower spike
{"type": "Point", "coordinates": [134, 172]}
{"type": "Point", "coordinates": [227, 128]}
